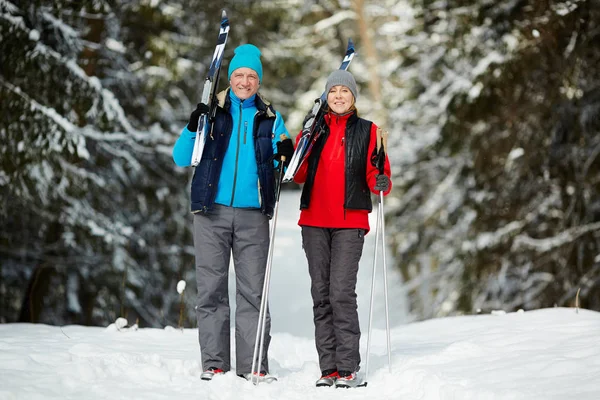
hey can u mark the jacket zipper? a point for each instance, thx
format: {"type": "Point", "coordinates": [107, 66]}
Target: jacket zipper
{"type": "Point", "coordinates": [237, 154]}
{"type": "Point", "coordinates": [254, 130]}
{"type": "Point", "coordinates": [345, 167]}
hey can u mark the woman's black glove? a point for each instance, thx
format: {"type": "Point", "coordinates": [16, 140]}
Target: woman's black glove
{"type": "Point", "coordinates": [285, 148]}
{"type": "Point", "coordinates": [382, 184]}
{"type": "Point", "coordinates": [307, 118]}
{"type": "Point", "coordinates": [201, 108]}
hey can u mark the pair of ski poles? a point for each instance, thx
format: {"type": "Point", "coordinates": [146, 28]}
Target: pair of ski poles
{"type": "Point", "coordinates": [379, 232]}
{"type": "Point", "coordinates": [262, 315]}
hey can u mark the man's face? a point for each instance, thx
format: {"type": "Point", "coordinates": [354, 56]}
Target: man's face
{"type": "Point", "coordinates": [244, 83]}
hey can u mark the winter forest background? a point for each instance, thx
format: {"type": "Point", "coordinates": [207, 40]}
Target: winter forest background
{"type": "Point", "coordinates": [493, 109]}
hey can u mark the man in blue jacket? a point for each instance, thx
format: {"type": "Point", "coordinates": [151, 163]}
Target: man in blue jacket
{"type": "Point", "coordinates": [233, 198]}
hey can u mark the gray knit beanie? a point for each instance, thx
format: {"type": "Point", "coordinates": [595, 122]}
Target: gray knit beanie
{"type": "Point", "coordinates": [343, 78]}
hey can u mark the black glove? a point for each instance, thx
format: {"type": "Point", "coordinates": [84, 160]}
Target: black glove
{"type": "Point", "coordinates": [201, 108]}
{"type": "Point", "coordinates": [383, 183]}
{"type": "Point", "coordinates": [285, 148]}
{"type": "Point", "coordinates": [309, 116]}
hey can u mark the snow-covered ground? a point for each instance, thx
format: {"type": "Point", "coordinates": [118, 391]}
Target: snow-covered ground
{"type": "Point", "coordinates": [542, 354]}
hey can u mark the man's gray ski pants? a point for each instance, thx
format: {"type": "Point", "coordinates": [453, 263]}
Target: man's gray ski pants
{"type": "Point", "coordinates": [245, 234]}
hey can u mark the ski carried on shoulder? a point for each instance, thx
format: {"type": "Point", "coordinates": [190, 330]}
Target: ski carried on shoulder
{"type": "Point", "coordinates": [313, 127]}
{"type": "Point", "coordinates": [209, 91]}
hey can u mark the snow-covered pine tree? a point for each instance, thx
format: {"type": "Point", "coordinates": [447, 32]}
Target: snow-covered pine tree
{"type": "Point", "coordinates": [93, 220]}
{"type": "Point", "coordinates": [496, 154]}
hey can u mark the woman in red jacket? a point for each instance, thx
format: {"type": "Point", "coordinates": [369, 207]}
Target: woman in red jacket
{"type": "Point", "coordinates": [339, 176]}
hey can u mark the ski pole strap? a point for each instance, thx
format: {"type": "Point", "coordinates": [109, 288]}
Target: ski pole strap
{"type": "Point", "coordinates": [381, 148]}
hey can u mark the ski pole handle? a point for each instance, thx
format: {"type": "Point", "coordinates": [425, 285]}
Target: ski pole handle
{"type": "Point", "coordinates": [381, 148]}
{"type": "Point", "coordinates": [384, 138]}
{"type": "Point", "coordinates": [282, 137]}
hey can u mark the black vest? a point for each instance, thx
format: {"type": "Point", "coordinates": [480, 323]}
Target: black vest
{"type": "Point", "coordinates": [357, 193]}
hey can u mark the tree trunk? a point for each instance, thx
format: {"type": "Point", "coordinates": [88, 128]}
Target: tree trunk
{"type": "Point", "coordinates": [372, 61]}
{"type": "Point", "coordinates": [33, 301]}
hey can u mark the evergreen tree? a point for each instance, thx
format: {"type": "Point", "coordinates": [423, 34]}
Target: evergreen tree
{"type": "Point", "coordinates": [91, 209]}
{"type": "Point", "coordinates": [498, 204]}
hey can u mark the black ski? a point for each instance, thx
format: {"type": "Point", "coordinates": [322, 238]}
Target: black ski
{"type": "Point", "coordinates": [210, 90]}
{"type": "Point", "coordinates": [312, 129]}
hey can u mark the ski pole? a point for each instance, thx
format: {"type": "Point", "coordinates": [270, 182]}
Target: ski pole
{"type": "Point", "coordinates": [372, 297]}
{"type": "Point", "coordinates": [385, 285]}
{"type": "Point", "coordinates": [379, 227]}
{"type": "Point", "coordinates": [262, 315]}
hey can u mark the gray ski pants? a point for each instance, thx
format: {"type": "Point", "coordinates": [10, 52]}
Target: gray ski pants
{"type": "Point", "coordinates": [333, 256]}
{"type": "Point", "coordinates": [245, 234]}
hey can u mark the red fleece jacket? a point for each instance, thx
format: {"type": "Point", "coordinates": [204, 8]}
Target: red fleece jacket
{"type": "Point", "coordinates": [326, 208]}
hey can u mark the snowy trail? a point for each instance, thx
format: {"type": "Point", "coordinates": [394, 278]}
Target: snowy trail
{"type": "Point", "coordinates": [544, 354]}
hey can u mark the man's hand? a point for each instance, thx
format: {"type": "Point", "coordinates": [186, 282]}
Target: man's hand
{"type": "Point", "coordinates": [285, 148]}
{"type": "Point", "coordinates": [382, 184]}
{"type": "Point", "coordinates": [201, 108]}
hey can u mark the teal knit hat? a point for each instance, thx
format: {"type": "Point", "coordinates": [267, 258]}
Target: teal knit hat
{"type": "Point", "coordinates": [246, 55]}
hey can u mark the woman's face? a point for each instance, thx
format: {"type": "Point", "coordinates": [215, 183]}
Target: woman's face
{"type": "Point", "coordinates": [340, 99]}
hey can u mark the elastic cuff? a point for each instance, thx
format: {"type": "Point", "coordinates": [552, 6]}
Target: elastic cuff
{"type": "Point", "coordinates": [190, 132]}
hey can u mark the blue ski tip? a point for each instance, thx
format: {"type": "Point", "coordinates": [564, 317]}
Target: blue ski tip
{"type": "Point", "coordinates": [350, 44]}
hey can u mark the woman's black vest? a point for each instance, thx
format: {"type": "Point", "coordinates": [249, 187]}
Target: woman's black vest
{"type": "Point", "coordinates": [357, 193]}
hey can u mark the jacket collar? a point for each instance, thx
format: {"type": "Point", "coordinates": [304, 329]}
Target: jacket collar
{"type": "Point", "coordinates": [236, 101]}
{"type": "Point", "coordinates": [349, 118]}
{"type": "Point", "coordinates": [261, 104]}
